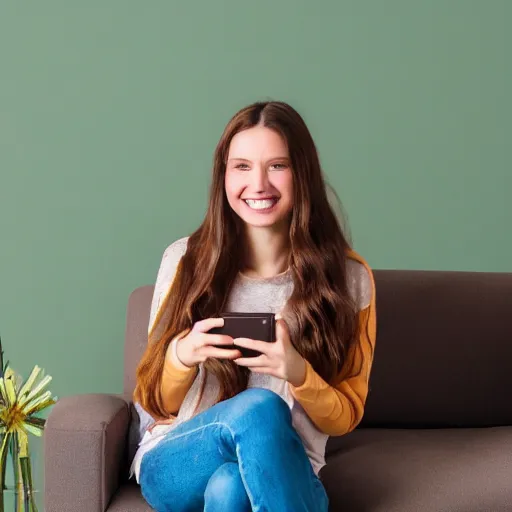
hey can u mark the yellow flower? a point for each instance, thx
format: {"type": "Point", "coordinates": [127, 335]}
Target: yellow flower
{"type": "Point", "coordinates": [19, 405]}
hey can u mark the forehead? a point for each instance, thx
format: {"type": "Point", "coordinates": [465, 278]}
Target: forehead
{"type": "Point", "coordinates": [257, 143]}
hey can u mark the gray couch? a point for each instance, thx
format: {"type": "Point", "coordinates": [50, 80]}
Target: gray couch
{"type": "Point", "coordinates": [437, 432]}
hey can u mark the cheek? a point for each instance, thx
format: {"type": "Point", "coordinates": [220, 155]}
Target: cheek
{"type": "Point", "coordinates": [233, 186]}
{"type": "Point", "coordinates": [284, 183]}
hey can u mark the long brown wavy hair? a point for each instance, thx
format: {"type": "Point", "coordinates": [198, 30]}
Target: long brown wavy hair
{"type": "Point", "coordinates": [325, 326]}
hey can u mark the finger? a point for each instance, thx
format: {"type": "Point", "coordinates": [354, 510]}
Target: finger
{"type": "Point", "coordinates": [253, 362]}
{"type": "Point", "coordinates": [207, 324]}
{"type": "Point", "coordinates": [217, 339]}
{"type": "Point", "coordinates": [260, 346]}
{"type": "Point", "coordinates": [282, 332]}
{"type": "Point", "coordinates": [220, 353]}
{"type": "Point", "coordinates": [281, 324]}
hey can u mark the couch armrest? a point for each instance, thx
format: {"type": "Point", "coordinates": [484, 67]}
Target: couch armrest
{"type": "Point", "coordinates": [84, 449]}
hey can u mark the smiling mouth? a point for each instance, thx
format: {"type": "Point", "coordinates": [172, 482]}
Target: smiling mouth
{"type": "Point", "coordinates": [261, 204]}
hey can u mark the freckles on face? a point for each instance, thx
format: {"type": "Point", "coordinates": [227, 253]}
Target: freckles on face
{"type": "Point", "coordinates": [259, 178]}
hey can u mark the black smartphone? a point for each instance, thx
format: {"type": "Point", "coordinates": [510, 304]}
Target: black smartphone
{"type": "Point", "coordinates": [257, 326]}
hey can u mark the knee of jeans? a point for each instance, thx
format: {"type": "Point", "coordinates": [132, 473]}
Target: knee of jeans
{"type": "Point", "coordinates": [225, 485]}
{"type": "Point", "coordinates": [265, 404]}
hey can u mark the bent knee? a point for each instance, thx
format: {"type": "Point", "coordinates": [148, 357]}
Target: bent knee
{"type": "Point", "coordinates": [226, 485]}
{"type": "Point", "coordinates": [265, 404]}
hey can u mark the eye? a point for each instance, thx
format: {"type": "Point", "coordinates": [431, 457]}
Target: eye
{"type": "Point", "coordinates": [243, 167]}
{"type": "Point", "coordinates": [279, 166]}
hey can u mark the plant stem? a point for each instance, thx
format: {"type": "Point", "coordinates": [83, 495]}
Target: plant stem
{"type": "Point", "coordinates": [3, 459]}
{"type": "Point", "coordinates": [18, 485]}
{"type": "Point", "coordinates": [1, 359]}
{"type": "Point", "coordinates": [26, 469]}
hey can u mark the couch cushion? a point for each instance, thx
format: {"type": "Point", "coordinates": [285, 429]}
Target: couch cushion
{"type": "Point", "coordinates": [443, 353]}
{"type": "Point", "coordinates": [129, 499]}
{"type": "Point", "coordinates": [394, 470]}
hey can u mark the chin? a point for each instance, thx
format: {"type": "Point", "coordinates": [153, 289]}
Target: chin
{"type": "Point", "coordinates": [263, 223]}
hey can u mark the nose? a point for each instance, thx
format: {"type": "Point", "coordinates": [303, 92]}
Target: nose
{"type": "Point", "coordinates": [259, 179]}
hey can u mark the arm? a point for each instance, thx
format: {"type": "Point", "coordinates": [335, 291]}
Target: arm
{"type": "Point", "coordinates": [338, 410]}
{"type": "Point", "coordinates": [176, 381]}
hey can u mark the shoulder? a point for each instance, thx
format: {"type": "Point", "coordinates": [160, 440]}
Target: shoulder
{"type": "Point", "coordinates": [166, 273]}
{"type": "Point", "coordinates": [359, 281]}
{"type": "Point", "coordinates": [175, 251]}
{"type": "Point", "coordinates": [170, 260]}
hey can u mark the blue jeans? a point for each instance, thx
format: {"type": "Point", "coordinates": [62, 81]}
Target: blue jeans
{"type": "Point", "coordinates": [240, 455]}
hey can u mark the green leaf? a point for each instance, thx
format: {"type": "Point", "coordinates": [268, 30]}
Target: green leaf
{"type": "Point", "coordinates": [3, 392]}
{"type": "Point", "coordinates": [34, 404]}
{"type": "Point", "coordinates": [37, 431]}
{"type": "Point", "coordinates": [9, 373]}
{"type": "Point", "coordinates": [40, 406]}
{"type": "Point", "coordinates": [10, 389]}
{"type": "Point", "coordinates": [30, 382]}
{"type": "Point", "coordinates": [37, 422]}
{"type": "Point", "coordinates": [1, 358]}
{"type": "Point", "coordinates": [35, 391]}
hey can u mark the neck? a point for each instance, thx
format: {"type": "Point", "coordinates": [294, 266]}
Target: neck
{"type": "Point", "coordinates": [267, 252]}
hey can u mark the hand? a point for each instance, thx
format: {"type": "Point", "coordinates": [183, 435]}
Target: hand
{"type": "Point", "coordinates": [279, 359]}
{"type": "Point", "coordinates": [197, 345]}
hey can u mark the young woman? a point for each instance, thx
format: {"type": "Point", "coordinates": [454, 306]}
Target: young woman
{"type": "Point", "coordinates": [232, 433]}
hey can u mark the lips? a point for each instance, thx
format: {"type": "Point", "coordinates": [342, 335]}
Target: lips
{"type": "Point", "coordinates": [259, 198]}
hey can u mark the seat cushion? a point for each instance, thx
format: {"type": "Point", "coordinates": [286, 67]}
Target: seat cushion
{"type": "Point", "coordinates": [129, 499]}
{"type": "Point", "coordinates": [394, 470]}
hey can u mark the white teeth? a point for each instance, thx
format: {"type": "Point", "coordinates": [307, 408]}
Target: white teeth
{"type": "Point", "coordinates": [260, 204]}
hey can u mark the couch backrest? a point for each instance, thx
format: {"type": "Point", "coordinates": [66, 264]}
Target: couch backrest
{"type": "Point", "coordinates": [444, 350]}
{"type": "Point", "coordinates": [136, 336]}
{"type": "Point", "coordinates": [443, 354]}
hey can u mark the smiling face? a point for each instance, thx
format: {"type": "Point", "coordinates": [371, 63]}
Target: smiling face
{"type": "Point", "coordinates": [258, 181]}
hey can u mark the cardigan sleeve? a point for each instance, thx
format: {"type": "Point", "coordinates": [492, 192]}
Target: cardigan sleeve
{"type": "Point", "coordinates": [336, 410]}
{"type": "Point", "coordinates": [175, 384]}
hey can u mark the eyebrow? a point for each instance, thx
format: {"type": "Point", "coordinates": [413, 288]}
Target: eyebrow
{"type": "Point", "coordinates": [270, 159]}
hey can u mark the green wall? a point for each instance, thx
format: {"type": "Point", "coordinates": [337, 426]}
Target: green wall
{"type": "Point", "coordinates": [110, 112]}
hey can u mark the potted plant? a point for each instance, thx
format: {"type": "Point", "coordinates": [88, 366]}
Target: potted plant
{"type": "Point", "coordinates": [20, 403]}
